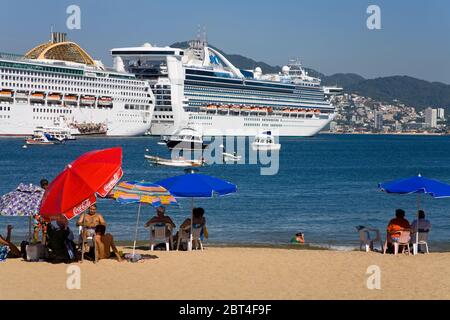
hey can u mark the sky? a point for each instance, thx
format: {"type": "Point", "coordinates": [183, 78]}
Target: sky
{"type": "Point", "coordinates": [330, 36]}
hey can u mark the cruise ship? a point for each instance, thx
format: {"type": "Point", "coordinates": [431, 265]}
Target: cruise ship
{"type": "Point", "coordinates": [200, 88]}
{"type": "Point", "coordinates": [58, 84]}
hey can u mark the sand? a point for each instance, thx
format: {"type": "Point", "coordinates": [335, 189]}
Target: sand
{"type": "Point", "coordinates": [235, 273]}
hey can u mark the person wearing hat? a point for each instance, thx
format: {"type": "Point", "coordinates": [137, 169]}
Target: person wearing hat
{"type": "Point", "coordinates": [160, 218]}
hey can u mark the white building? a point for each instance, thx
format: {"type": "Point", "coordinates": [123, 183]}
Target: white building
{"type": "Point", "coordinates": [441, 113]}
{"type": "Point", "coordinates": [378, 120]}
{"type": "Point", "coordinates": [430, 118]}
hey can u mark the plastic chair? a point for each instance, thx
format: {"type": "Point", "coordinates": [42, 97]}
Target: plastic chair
{"type": "Point", "coordinates": [81, 243]}
{"type": "Point", "coordinates": [158, 234]}
{"type": "Point", "coordinates": [184, 236]}
{"type": "Point", "coordinates": [405, 237]}
{"type": "Point", "coordinates": [423, 240]}
{"type": "Point", "coordinates": [196, 239]}
{"type": "Point", "coordinates": [366, 240]}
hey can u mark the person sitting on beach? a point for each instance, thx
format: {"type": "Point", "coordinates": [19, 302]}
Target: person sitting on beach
{"type": "Point", "coordinates": [90, 220]}
{"type": "Point", "coordinates": [299, 238]}
{"type": "Point", "coordinates": [104, 244]}
{"type": "Point", "coordinates": [399, 223]}
{"type": "Point", "coordinates": [14, 252]}
{"type": "Point", "coordinates": [160, 218]}
{"type": "Point", "coordinates": [198, 220]}
{"type": "Point", "coordinates": [60, 241]}
{"type": "Point", "coordinates": [421, 226]}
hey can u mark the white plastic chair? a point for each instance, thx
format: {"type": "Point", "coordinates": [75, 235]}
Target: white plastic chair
{"type": "Point", "coordinates": [405, 237]}
{"type": "Point", "coordinates": [366, 240]}
{"type": "Point", "coordinates": [88, 238]}
{"type": "Point", "coordinates": [423, 240]}
{"type": "Point", "coordinates": [184, 236]}
{"type": "Point", "coordinates": [196, 240]}
{"type": "Point", "coordinates": [158, 234]}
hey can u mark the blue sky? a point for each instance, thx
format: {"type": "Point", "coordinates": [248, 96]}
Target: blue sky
{"type": "Point", "coordinates": [328, 35]}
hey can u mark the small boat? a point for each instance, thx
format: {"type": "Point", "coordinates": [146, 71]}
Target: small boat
{"type": "Point", "coordinates": [58, 134]}
{"type": "Point", "coordinates": [37, 96]}
{"type": "Point", "coordinates": [180, 162]}
{"type": "Point", "coordinates": [265, 142]}
{"type": "Point", "coordinates": [54, 96]}
{"type": "Point", "coordinates": [186, 139]}
{"type": "Point", "coordinates": [39, 138]}
{"type": "Point", "coordinates": [231, 157]}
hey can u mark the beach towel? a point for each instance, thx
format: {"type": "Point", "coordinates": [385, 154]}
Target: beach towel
{"type": "Point", "coordinates": [4, 250]}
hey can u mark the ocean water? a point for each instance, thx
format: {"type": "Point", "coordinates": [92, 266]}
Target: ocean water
{"type": "Point", "coordinates": [326, 185]}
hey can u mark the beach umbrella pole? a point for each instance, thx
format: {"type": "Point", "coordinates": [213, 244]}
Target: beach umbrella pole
{"type": "Point", "coordinates": [416, 245]}
{"type": "Point", "coordinates": [136, 231]}
{"type": "Point", "coordinates": [190, 245]}
{"type": "Point", "coordinates": [29, 229]}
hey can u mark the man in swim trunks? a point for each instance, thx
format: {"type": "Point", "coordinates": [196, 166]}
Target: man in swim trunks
{"type": "Point", "coordinates": [104, 243]}
{"type": "Point", "coordinates": [89, 221]}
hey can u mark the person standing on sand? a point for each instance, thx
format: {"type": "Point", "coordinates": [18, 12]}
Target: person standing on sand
{"type": "Point", "coordinates": [39, 223]}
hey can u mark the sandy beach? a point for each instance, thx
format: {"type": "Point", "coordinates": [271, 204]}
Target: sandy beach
{"type": "Point", "coordinates": [235, 273]}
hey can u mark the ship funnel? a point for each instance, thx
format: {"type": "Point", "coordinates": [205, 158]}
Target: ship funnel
{"type": "Point", "coordinates": [58, 37]}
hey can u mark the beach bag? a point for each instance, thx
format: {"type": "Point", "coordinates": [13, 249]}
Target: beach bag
{"type": "Point", "coordinates": [36, 252]}
{"type": "Point", "coordinates": [4, 250]}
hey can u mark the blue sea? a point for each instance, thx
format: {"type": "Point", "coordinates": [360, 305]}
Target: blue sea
{"type": "Point", "coordinates": [326, 185]}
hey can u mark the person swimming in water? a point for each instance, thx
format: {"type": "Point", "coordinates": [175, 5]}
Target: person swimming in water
{"type": "Point", "coordinates": [299, 238]}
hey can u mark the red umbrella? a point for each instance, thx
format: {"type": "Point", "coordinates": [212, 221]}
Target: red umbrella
{"type": "Point", "coordinates": [73, 190]}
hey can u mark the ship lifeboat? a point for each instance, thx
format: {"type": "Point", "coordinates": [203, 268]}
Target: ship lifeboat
{"type": "Point", "coordinates": [70, 97]}
{"type": "Point", "coordinates": [54, 97]}
{"type": "Point", "coordinates": [317, 111]}
{"type": "Point", "coordinates": [105, 101]}
{"type": "Point", "coordinates": [21, 95]}
{"type": "Point", "coordinates": [89, 100]}
{"type": "Point", "coordinates": [37, 96]}
{"type": "Point", "coordinates": [235, 109]}
{"type": "Point", "coordinates": [6, 93]}
{"type": "Point", "coordinates": [269, 110]}
{"type": "Point", "coordinates": [224, 108]}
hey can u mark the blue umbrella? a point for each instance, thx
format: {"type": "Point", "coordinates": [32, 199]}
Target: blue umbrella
{"type": "Point", "coordinates": [195, 185]}
{"type": "Point", "coordinates": [418, 185]}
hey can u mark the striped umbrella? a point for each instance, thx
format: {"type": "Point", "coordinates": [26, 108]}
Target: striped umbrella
{"type": "Point", "coordinates": [127, 192]}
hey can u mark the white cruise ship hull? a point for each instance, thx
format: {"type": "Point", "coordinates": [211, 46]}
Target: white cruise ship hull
{"type": "Point", "coordinates": [21, 119]}
{"type": "Point", "coordinates": [222, 125]}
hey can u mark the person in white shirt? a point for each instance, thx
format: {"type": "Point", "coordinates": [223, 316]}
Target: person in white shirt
{"type": "Point", "coordinates": [422, 225]}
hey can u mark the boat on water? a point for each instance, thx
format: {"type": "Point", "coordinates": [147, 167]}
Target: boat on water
{"type": "Point", "coordinates": [231, 157]}
{"type": "Point", "coordinates": [179, 162]}
{"type": "Point", "coordinates": [58, 81]}
{"type": "Point", "coordinates": [186, 139]}
{"type": "Point", "coordinates": [265, 141]}
{"type": "Point", "coordinates": [40, 138]}
{"type": "Point", "coordinates": [199, 87]}
{"type": "Point", "coordinates": [57, 133]}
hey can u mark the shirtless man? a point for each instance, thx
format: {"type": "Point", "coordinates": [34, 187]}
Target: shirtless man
{"type": "Point", "coordinates": [89, 221]}
{"type": "Point", "coordinates": [14, 251]}
{"type": "Point", "coordinates": [104, 243]}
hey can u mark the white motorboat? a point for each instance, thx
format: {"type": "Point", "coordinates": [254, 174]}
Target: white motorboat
{"type": "Point", "coordinates": [179, 162]}
{"type": "Point", "coordinates": [265, 142]}
{"type": "Point", "coordinates": [186, 139]}
{"type": "Point", "coordinates": [40, 138]}
{"type": "Point", "coordinates": [231, 157]}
